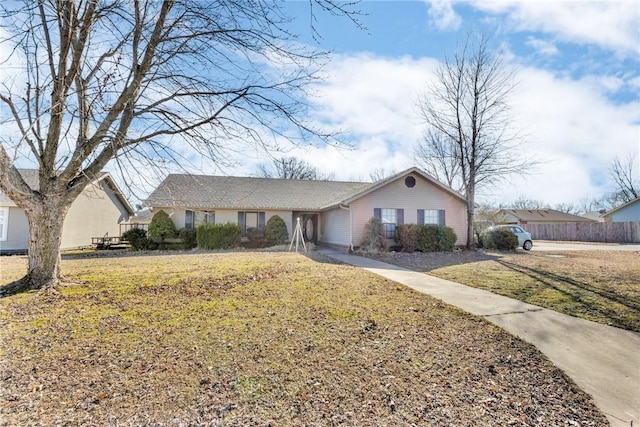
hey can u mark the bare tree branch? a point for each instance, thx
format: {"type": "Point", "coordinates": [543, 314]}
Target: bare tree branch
{"type": "Point", "coordinates": [625, 175]}
{"type": "Point", "coordinates": [141, 82]}
{"type": "Point", "coordinates": [469, 142]}
{"type": "Point", "coordinates": [290, 168]}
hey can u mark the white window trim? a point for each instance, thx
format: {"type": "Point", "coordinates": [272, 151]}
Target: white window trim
{"type": "Point", "coordinates": [431, 211]}
{"type": "Point", "coordinates": [4, 225]}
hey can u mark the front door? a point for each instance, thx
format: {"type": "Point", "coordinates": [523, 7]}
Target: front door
{"type": "Point", "coordinates": [308, 224]}
{"type": "Point", "coordinates": [310, 227]}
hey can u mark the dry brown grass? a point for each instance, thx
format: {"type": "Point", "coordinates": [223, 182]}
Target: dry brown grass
{"type": "Point", "coordinates": [602, 286]}
{"type": "Point", "coordinates": [262, 339]}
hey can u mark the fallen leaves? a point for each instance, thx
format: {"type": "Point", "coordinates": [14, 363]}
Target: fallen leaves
{"type": "Point", "coordinates": [265, 339]}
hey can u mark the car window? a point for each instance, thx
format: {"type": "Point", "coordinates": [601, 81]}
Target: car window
{"type": "Point", "coordinates": [517, 230]}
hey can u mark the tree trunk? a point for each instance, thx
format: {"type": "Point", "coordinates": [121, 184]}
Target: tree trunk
{"type": "Point", "coordinates": [45, 236]}
{"type": "Point", "coordinates": [470, 196]}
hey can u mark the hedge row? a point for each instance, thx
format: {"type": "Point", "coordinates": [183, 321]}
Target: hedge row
{"type": "Point", "coordinates": [218, 236]}
{"type": "Point", "coordinates": [411, 237]}
{"type": "Point", "coordinates": [207, 236]}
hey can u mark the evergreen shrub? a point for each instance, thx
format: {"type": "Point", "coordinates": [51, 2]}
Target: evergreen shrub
{"type": "Point", "coordinates": [374, 240]}
{"type": "Point", "coordinates": [276, 231]}
{"type": "Point", "coordinates": [256, 237]}
{"type": "Point", "coordinates": [161, 226]}
{"type": "Point", "coordinates": [137, 238]}
{"type": "Point", "coordinates": [188, 237]}
{"type": "Point", "coordinates": [500, 239]}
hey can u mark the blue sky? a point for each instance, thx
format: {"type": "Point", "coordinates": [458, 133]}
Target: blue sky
{"type": "Point", "coordinates": [577, 102]}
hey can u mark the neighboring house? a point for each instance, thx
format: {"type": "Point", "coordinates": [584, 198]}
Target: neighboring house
{"type": "Point", "coordinates": [331, 212]}
{"type": "Point", "coordinates": [140, 219]}
{"type": "Point", "coordinates": [628, 212]}
{"type": "Point", "coordinates": [595, 215]}
{"type": "Point", "coordinates": [538, 216]}
{"type": "Point", "coordinates": [97, 211]}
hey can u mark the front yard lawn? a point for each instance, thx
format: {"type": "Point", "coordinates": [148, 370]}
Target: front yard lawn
{"type": "Point", "coordinates": [255, 339]}
{"type": "Point", "coordinates": [602, 286]}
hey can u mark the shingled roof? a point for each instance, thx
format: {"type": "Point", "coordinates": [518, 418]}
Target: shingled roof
{"type": "Point", "coordinates": [203, 191]}
{"type": "Point", "coordinates": [547, 215]}
{"type": "Point", "coordinates": [32, 179]}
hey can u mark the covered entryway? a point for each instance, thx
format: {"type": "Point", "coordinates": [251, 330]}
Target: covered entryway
{"type": "Point", "coordinates": [309, 224]}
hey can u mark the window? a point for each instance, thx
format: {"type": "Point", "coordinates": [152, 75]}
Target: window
{"type": "Point", "coordinates": [251, 220]}
{"type": "Point", "coordinates": [4, 222]}
{"type": "Point", "coordinates": [390, 219]}
{"type": "Point", "coordinates": [202, 217]}
{"type": "Point", "coordinates": [188, 219]}
{"type": "Point", "coordinates": [431, 217]}
{"type": "Point", "coordinates": [410, 182]}
{"type": "Point", "coordinates": [193, 219]}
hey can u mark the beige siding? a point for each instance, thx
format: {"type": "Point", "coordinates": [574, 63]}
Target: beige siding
{"type": "Point", "coordinates": [508, 218]}
{"type": "Point", "coordinates": [94, 213]}
{"type": "Point", "coordinates": [334, 225]}
{"type": "Point", "coordinates": [396, 195]}
{"type": "Point", "coordinates": [17, 230]}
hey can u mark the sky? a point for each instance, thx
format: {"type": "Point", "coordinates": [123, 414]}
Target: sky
{"type": "Point", "coordinates": [576, 104]}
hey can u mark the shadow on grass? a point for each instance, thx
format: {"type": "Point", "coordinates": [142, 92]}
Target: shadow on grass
{"type": "Point", "coordinates": [426, 262]}
{"type": "Point", "coordinates": [580, 292]}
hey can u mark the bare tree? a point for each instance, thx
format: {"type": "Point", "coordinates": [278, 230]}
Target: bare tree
{"type": "Point", "coordinates": [138, 83]}
{"type": "Point", "coordinates": [625, 176]}
{"type": "Point", "coordinates": [378, 174]}
{"type": "Point", "coordinates": [569, 208]}
{"type": "Point", "coordinates": [469, 141]}
{"type": "Point", "coordinates": [527, 204]}
{"type": "Point", "coordinates": [291, 168]}
{"type": "Point", "coordinates": [438, 157]}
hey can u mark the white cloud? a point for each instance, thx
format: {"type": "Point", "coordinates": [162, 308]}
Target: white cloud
{"type": "Point", "coordinates": [442, 16]}
{"type": "Point", "coordinates": [612, 25]}
{"type": "Point", "coordinates": [575, 130]}
{"type": "Point", "coordinates": [543, 47]}
{"type": "Point", "coordinates": [372, 96]}
{"type": "Point", "coordinates": [570, 125]}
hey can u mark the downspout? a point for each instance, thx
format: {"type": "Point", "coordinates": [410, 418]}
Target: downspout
{"type": "Point", "coordinates": [347, 208]}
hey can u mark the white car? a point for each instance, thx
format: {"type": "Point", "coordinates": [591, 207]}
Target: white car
{"type": "Point", "coordinates": [524, 238]}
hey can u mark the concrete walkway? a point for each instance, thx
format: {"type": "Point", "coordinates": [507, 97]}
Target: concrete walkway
{"type": "Point", "coordinates": [602, 360]}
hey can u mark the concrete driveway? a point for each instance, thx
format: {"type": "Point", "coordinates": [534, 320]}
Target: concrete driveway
{"type": "Point", "coordinates": [545, 245]}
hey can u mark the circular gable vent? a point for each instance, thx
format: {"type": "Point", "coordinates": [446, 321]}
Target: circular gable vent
{"type": "Point", "coordinates": [410, 181]}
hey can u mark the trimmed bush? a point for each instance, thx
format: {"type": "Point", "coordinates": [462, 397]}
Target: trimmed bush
{"type": "Point", "coordinates": [137, 238]}
{"type": "Point", "coordinates": [436, 238]}
{"type": "Point", "coordinates": [447, 239]}
{"type": "Point", "coordinates": [188, 237]}
{"type": "Point", "coordinates": [374, 240]}
{"type": "Point", "coordinates": [276, 231]}
{"type": "Point", "coordinates": [218, 236]}
{"type": "Point", "coordinates": [256, 238]}
{"type": "Point", "coordinates": [161, 226]}
{"type": "Point", "coordinates": [428, 238]}
{"type": "Point", "coordinates": [500, 239]}
{"type": "Point", "coordinates": [408, 236]}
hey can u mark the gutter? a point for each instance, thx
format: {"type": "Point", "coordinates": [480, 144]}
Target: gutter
{"type": "Point", "coordinates": [347, 208]}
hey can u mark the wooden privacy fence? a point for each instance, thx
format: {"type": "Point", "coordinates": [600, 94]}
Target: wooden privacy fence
{"type": "Point", "coordinates": [607, 232]}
